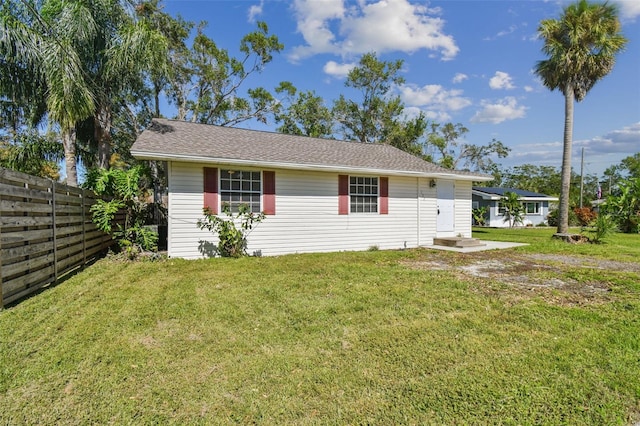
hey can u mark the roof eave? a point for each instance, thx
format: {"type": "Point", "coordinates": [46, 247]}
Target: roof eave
{"type": "Point", "coordinates": [147, 155]}
{"type": "Point", "coordinates": [487, 196]}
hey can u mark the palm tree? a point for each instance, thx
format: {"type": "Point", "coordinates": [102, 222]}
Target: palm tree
{"type": "Point", "coordinates": [32, 153]}
{"type": "Point", "coordinates": [581, 46]}
{"type": "Point", "coordinates": [47, 48]}
{"type": "Point", "coordinates": [513, 209]}
{"type": "Point", "coordinates": [84, 52]}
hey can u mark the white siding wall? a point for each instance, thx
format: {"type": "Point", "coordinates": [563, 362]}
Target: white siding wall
{"type": "Point", "coordinates": [428, 211]}
{"type": "Point", "coordinates": [307, 218]}
{"type": "Point", "coordinates": [186, 200]}
{"type": "Point", "coordinates": [496, 220]}
{"type": "Point", "coordinates": [463, 208]}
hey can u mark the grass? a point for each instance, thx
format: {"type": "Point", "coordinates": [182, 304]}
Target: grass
{"type": "Point", "coordinates": [341, 338]}
{"type": "Point", "coordinates": [619, 246]}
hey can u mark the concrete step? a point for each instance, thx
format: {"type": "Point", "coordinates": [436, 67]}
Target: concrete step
{"type": "Point", "coordinates": [458, 242]}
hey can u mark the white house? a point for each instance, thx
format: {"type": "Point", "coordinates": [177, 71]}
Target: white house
{"type": "Point", "coordinates": [535, 205]}
{"type": "Point", "coordinates": [319, 195]}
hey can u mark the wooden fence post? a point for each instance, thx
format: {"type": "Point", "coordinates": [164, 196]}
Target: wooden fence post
{"type": "Point", "coordinates": [55, 236]}
{"type": "Point", "coordinates": [1, 284]}
{"type": "Point", "coordinates": [84, 230]}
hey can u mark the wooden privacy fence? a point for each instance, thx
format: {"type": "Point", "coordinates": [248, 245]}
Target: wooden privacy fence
{"type": "Point", "coordinates": [46, 232]}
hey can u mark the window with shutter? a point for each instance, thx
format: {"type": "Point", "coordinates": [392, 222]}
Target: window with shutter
{"type": "Point", "coordinates": [363, 194]}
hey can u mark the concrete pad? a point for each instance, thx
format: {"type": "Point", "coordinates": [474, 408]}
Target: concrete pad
{"type": "Point", "coordinates": [489, 245]}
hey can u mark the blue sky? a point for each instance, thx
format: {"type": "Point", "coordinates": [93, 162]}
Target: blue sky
{"type": "Point", "coordinates": [468, 62]}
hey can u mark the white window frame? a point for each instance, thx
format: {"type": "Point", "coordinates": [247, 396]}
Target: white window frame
{"type": "Point", "coordinates": [501, 209]}
{"type": "Point", "coordinates": [239, 187]}
{"type": "Point", "coordinates": [364, 192]}
{"type": "Point", "coordinates": [537, 208]}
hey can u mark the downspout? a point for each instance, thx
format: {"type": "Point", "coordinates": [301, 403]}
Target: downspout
{"type": "Point", "coordinates": [169, 199]}
{"type": "Point", "coordinates": [418, 209]}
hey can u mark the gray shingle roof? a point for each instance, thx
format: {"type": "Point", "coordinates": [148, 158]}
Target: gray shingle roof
{"type": "Point", "coordinates": [181, 140]}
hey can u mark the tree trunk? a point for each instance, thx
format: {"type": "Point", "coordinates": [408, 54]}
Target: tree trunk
{"type": "Point", "coordinates": [103, 135]}
{"type": "Point", "coordinates": [157, 88]}
{"type": "Point", "coordinates": [69, 144]}
{"type": "Point", "coordinates": [563, 209]}
{"type": "Point", "coordinates": [157, 194]}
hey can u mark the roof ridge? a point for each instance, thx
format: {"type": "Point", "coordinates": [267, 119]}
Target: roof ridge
{"type": "Point", "coordinates": [191, 141]}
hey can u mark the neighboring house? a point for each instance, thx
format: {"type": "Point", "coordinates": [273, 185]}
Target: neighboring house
{"type": "Point", "coordinates": [319, 195]}
{"type": "Point", "coordinates": [536, 206]}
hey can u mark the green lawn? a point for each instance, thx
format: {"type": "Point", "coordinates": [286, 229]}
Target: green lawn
{"type": "Point", "coordinates": [624, 247]}
{"type": "Point", "coordinates": [380, 337]}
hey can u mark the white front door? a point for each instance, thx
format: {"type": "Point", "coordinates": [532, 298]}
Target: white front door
{"type": "Point", "coordinates": [445, 221]}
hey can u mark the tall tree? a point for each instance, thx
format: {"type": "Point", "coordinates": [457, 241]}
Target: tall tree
{"type": "Point", "coordinates": [378, 117]}
{"type": "Point", "coordinates": [32, 153]}
{"type": "Point", "coordinates": [176, 31]}
{"type": "Point", "coordinates": [208, 87]}
{"type": "Point", "coordinates": [48, 47]}
{"type": "Point", "coordinates": [121, 52]}
{"type": "Point", "coordinates": [22, 93]}
{"type": "Point", "coordinates": [548, 180]}
{"type": "Point", "coordinates": [446, 147]}
{"type": "Point", "coordinates": [581, 46]}
{"type": "Point", "coordinates": [629, 167]}
{"type": "Point", "coordinates": [306, 115]}
{"type": "Point", "coordinates": [84, 53]}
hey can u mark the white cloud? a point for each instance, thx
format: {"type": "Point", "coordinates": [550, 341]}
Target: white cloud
{"type": "Point", "coordinates": [503, 33]}
{"type": "Point", "coordinates": [330, 27]}
{"type": "Point", "coordinates": [437, 116]}
{"type": "Point", "coordinates": [255, 10]}
{"type": "Point", "coordinates": [528, 89]}
{"type": "Point", "coordinates": [314, 24]}
{"type": "Point", "coordinates": [549, 153]}
{"type": "Point", "coordinates": [433, 97]}
{"type": "Point", "coordinates": [625, 140]}
{"type": "Point", "coordinates": [505, 109]}
{"type": "Point", "coordinates": [335, 69]}
{"type": "Point", "coordinates": [434, 101]}
{"type": "Point", "coordinates": [629, 9]}
{"type": "Point", "coordinates": [501, 80]}
{"type": "Point", "coordinates": [600, 151]}
{"type": "Point", "coordinates": [459, 77]}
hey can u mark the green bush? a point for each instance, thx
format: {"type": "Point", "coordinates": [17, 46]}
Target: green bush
{"type": "Point", "coordinates": [480, 215]}
{"type": "Point", "coordinates": [513, 209]}
{"type": "Point", "coordinates": [122, 193]}
{"type": "Point", "coordinates": [602, 227]}
{"type": "Point", "coordinates": [231, 230]}
{"type": "Point", "coordinates": [552, 218]}
{"type": "Point", "coordinates": [624, 206]}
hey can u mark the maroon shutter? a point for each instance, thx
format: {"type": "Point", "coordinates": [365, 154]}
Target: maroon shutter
{"type": "Point", "coordinates": [211, 189]}
{"type": "Point", "coordinates": [343, 194]}
{"type": "Point", "coordinates": [269, 192]}
{"type": "Point", "coordinates": [384, 195]}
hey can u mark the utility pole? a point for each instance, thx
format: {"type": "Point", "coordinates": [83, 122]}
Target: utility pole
{"type": "Point", "coordinates": [581, 177]}
{"type": "Point", "coordinates": [609, 184]}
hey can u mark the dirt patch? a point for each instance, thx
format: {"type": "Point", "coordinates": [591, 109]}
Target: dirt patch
{"type": "Point", "coordinates": [546, 276]}
{"type": "Point", "coordinates": [587, 262]}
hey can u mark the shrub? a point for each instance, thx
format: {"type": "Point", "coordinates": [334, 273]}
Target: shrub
{"type": "Point", "coordinates": [552, 218]}
{"type": "Point", "coordinates": [513, 210]}
{"type": "Point", "coordinates": [123, 193]}
{"type": "Point", "coordinates": [602, 226]}
{"type": "Point", "coordinates": [625, 206]}
{"type": "Point", "coordinates": [584, 215]}
{"type": "Point", "coordinates": [232, 231]}
{"type": "Point", "coordinates": [480, 215]}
